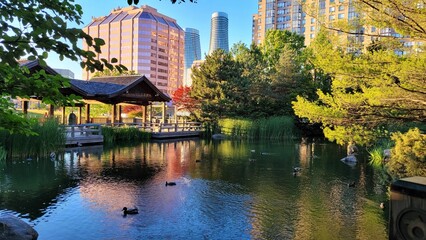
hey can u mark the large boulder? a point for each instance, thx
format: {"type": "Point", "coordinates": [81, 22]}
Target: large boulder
{"type": "Point", "coordinates": [13, 228]}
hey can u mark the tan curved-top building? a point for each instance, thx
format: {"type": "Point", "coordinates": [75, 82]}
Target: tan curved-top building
{"type": "Point", "coordinates": [143, 40]}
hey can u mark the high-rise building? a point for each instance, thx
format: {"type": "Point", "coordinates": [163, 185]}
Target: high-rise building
{"type": "Point", "coordinates": [192, 52]}
{"type": "Point", "coordinates": [277, 14]}
{"type": "Point", "coordinates": [219, 32]}
{"type": "Point", "coordinates": [144, 41]}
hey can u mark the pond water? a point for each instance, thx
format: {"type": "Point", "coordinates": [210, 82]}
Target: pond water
{"type": "Point", "coordinates": [224, 190]}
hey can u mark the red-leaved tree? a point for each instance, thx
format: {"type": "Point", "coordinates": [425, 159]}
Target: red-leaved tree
{"type": "Point", "coordinates": [183, 100]}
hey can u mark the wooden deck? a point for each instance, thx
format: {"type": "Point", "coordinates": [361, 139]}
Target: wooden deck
{"type": "Point", "coordinates": [83, 134]}
{"type": "Point", "coordinates": [91, 133]}
{"type": "Point", "coordinates": [176, 130]}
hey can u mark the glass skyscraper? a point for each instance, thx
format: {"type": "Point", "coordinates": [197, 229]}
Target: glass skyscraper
{"type": "Point", "coordinates": [192, 52]}
{"type": "Point", "coordinates": [219, 32]}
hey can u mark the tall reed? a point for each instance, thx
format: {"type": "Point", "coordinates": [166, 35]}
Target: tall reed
{"type": "Point", "coordinates": [376, 154]}
{"type": "Point", "coordinates": [273, 128]}
{"type": "Point", "coordinates": [47, 137]}
{"type": "Point", "coordinates": [124, 134]}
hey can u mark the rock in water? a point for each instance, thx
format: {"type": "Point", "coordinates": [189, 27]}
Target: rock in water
{"type": "Point", "coordinates": [13, 228]}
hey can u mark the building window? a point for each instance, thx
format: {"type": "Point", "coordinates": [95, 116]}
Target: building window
{"type": "Point", "coordinates": [341, 16]}
{"type": "Point", "coordinates": [331, 17]}
{"type": "Point", "coordinates": [341, 8]}
{"type": "Point", "coordinates": [332, 9]}
{"type": "Point", "coordinates": [312, 20]}
{"type": "Point", "coordinates": [312, 28]}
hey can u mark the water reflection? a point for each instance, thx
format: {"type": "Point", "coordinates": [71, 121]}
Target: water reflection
{"type": "Point", "coordinates": [225, 190]}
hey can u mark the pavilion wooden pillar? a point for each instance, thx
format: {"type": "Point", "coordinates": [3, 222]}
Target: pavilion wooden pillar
{"type": "Point", "coordinates": [87, 113]}
{"type": "Point", "coordinates": [163, 112]}
{"type": "Point", "coordinates": [79, 115]}
{"type": "Point", "coordinates": [144, 113]}
{"type": "Point", "coordinates": [120, 119]}
{"type": "Point", "coordinates": [150, 113]}
{"type": "Point", "coordinates": [175, 113]}
{"type": "Point", "coordinates": [113, 114]}
{"type": "Point", "coordinates": [51, 111]}
{"type": "Point", "coordinates": [25, 107]}
{"type": "Point", "coordinates": [63, 116]}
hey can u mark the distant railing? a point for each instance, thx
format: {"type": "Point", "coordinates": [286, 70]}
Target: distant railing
{"type": "Point", "coordinates": [179, 127]}
{"type": "Point", "coordinates": [161, 127]}
{"type": "Point", "coordinates": [83, 130]}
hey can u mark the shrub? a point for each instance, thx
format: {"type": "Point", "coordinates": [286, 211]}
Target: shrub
{"type": "Point", "coordinates": [408, 157]}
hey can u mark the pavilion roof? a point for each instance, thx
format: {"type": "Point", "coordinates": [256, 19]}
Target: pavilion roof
{"type": "Point", "coordinates": [132, 89]}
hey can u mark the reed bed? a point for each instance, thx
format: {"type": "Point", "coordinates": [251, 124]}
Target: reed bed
{"type": "Point", "coordinates": [47, 137]}
{"type": "Point", "coordinates": [273, 128]}
{"type": "Point", "coordinates": [376, 154]}
{"type": "Point", "coordinates": [124, 134]}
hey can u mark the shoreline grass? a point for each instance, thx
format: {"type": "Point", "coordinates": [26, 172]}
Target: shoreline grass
{"type": "Point", "coordinates": [273, 128]}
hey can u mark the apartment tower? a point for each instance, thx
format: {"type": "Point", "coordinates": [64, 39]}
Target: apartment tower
{"type": "Point", "coordinates": [219, 32]}
{"type": "Point", "coordinates": [277, 14]}
{"type": "Point", "coordinates": [192, 52]}
{"type": "Point", "coordinates": [144, 41]}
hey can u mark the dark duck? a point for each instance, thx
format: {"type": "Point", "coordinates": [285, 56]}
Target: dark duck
{"type": "Point", "coordinates": [130, 211]}
{"type": "Point", "coordinates": [170, 184]}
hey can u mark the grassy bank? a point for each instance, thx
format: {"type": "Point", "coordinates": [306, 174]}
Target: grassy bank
{"type": "Point", "coordinates": [48, 137]}
{"type": "Point", "coordinates": [273, 128]}
{"type": "Point", "coordinates": [124, 134]}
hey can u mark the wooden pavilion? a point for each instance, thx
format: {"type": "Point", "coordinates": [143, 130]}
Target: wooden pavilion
{"type": "Point", "coordinates": [115, 90]}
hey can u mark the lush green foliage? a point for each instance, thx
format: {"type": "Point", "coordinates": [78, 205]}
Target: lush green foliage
{"type": "Point", "coordinates": [376, 154]}
{"type": "Point", "coordinates": [47, 137]}
{"type": "Point", "coordinates": [273, 128]}
{"type": "Point", "coordinates": [256, 82]}
{"type": "Point", "coordinates": [371, 89]}
{"type": "Point", "coordinates": [124, 134]}
{"type": "Point", "coordinates": [408, 157]}
{"type": "Point", "coordinates": [32, 29]}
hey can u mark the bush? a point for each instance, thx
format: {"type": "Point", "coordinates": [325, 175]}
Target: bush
{"type": "Point", "coordinates": [408, 157]}
{"type": "Point", "coordinates": [272, 128]}
{"type": "Point", "coordinates": [124, 134]}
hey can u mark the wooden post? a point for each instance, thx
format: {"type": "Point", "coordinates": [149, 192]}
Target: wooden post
{"type": "Point", "coordinates": [163, 112]}
{"type": "Point", "coordinates": [25, 107]}
{"type": "Point", "coordinates": [114, 112]}
{"type": "Point", "coordinates": [175, 113]}
{"type": "Point", "coordinates": [150, 113]}
{"type": "Point", "coordinates": [144, 108]}
{"type": "Point", "coordinates": [64, 121]}
{"type": "Point", "coordinates": [120, 119]}
{"type": "Point", "coordinates": [51, 111]}
{"type": "Point", "coordinates": [87, 113]}
{"type": "Point", "coordinates": [79, 115]}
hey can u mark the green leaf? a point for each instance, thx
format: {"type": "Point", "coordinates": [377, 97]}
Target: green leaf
{"type": "Point", "coordinates": [99, 41]}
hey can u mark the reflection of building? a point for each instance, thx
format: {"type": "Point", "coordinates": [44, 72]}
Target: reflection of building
{"type": "Point", "coordinates": [192, 52]}
{"type": "Point", "coordinates": [144, 41]}
{"type": "Point", "coordinates": [65, 73]}
{"type": "Point", "coordinates": [219, 32]}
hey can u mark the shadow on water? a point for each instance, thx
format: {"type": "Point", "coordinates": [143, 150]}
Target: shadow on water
{"type": "Point", "coordinates": [224, 190]}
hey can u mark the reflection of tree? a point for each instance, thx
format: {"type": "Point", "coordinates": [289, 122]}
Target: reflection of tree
{"type": "Point", "coordinates": [30, 188]}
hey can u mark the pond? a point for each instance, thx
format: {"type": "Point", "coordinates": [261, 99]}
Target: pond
{"type": "Point", "coordinates": [224, 190]}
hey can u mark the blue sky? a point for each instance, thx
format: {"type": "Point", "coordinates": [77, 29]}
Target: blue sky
{"type": "Point", "coordinates": [192, 15]}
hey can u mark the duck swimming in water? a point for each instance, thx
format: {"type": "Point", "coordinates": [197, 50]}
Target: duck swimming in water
{"type": "Point", "coordinates": [170, 184]}
{"type": "Point", "coordinates": [130, 211]}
